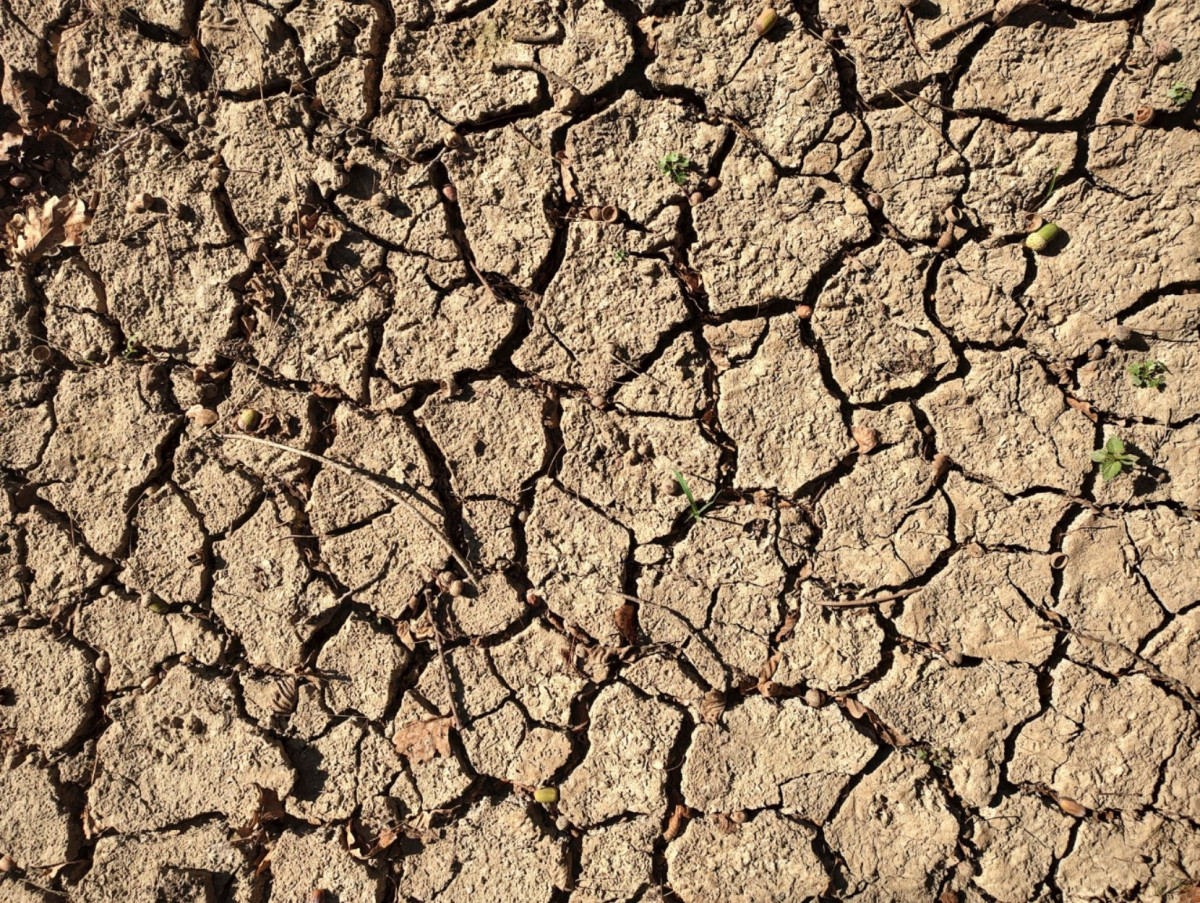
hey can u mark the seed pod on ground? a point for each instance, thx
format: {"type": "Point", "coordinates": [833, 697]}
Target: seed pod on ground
{"type": "Point", "coordinates": [201, 416]}
{"type": "Point", "coordinates": [609, 213]}
{"type": "Point", "coordinates": [1033, 222]}
{"type": "Point", "coordinates": [712, 183]}
{"type": "Point", "coordinates": [452, 139]}
{"type": "Point", "coordinates": [696, 198]}
{"type": "Point", "coordinates": [319, 895]}
{"type": "Point", "coordinates": [766, 20]}
{"type": "Point", "coordinates": [546, 795]}
{"type": "Point", "coordinates": [1121, 334]}
{"type": "Point", "coordinates": [1095, 353]}
{"type": "Point", "coordinates": [874, 201]}
{"type": "Point", "coordinates": [815, 697]}
{"type": "Point", "coordinates": [103, 666]}
{"type": "Point", "coordinates": [1164, 50]}
{"type": "Point", "coordinates": [1038, 241]}
{"type": "Point", "coordinates": [952, 214]}
{"type": "Point", "coordinates": [151, 682]}
{"type": "Point", "coordinates": [379, 200]}
{"type": "Point", "coordinates": [41, 354]}
{"type": "Point", "coordinates": [1071, 807]}
{"type": "Point", "coordinates": [249, 420]}
{"type": "Point", "coordinates": [450, 193]}
{"type": "Point", "coordinates": [154, 604]}
{"type": "Point", "coordinates": [804, 311]}
{"type": "Point", "coordinates": [7, 864]}
{"type": "Point", "coordinates": [456, 588]}
{"type": "Point", "coordinates": [712, 707]}
{"type": "Point", "coordinates": [1143, 115]}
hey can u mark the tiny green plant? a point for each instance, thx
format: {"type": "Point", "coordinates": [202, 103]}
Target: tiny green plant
{"type": "Point", "coordinates": [675, 167]}
{"type": "Point", "coordinates": [620, 255]}
{"type": "Point", "coordinates": [133, 348]}
{"type": "Point", "coordinates": [697, 510]}
{"type": "Point", "coordinates": [1113, 458]}
{"type": "Point", "coordinates": [1053, 184]}
{"type": "Point", "coordinates": [1148, 374]}
{"type": "Point", "coordinates": [1179, 94]}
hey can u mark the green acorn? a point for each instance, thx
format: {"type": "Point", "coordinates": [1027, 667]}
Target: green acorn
{"type": "Point", "coordinates": [546, 795]}
{"type": "Point", "coordinates": [1038, 241]}
{"type": "Point", "coordinates": [766, 20]}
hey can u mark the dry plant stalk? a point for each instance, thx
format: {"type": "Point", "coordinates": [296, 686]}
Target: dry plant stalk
{"type": "Point", "coordinates": [380, 487]}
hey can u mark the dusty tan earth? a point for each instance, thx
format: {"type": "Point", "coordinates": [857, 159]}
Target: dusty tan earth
{"type": "Point", "coordinates": [917, 649]}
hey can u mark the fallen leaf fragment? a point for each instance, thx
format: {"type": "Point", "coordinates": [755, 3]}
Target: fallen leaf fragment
{"type": "Point", "coordinates": [58, 222]}
{"type": "Point", "coordinates": [675, 822]}
{"type": "Point", "coordinates": [626, 620]}
{"type": "Point", "coordinates": [712, 707]}
{"type": "Point", "coordinates": [421, 741]}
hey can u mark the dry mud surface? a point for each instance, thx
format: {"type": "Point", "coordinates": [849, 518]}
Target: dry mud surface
{"type": "Point", "coordinates": [917, 648]}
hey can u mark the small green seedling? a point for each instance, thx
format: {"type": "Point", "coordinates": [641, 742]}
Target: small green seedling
{"type": "Point", "coordinates": [697, 510]}
{"type": "Point", "coordinates": [1148, 374]}
{"type": "Point", "coordinates": [1113, 459]}
{"type": "Point", "coordinates": [620, 255]}
{"type": "Point", "coordinates": [675, 167]}
{"type": "Point", "coordinates": [1179, 94]}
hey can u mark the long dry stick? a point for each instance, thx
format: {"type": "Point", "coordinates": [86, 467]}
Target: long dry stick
{"type": "Point", "coordinates": [380, 486]}
{"type": "Point", "coordinates": [867, 600]}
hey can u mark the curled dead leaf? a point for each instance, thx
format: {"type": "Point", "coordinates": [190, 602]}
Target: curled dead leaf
{"type": "Point", "coordinates": [1083, 408]}
{"type": "Point", "coordinates": [712, 707]}
{"type": "Point", "coordinates": [854, 708]}
{"type": "Point", "coordinates": [57, 222]}
{"type": "Point", "coordinates": [421, 741]}
{"type": "Point", "coordinates": [867, 438]}
{"type": "Point", "coordinates": [724, 823]}
{"type": "Point", "coordinates": [675, 822]}
{"type": "Point", "coordinates": [626, 620]}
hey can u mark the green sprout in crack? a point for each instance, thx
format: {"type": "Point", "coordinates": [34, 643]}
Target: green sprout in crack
{"type": "Point", "coordinates": [1113, 458]}
{"type": "Point", "coordinates": [1179, 94]}
{"type": "Point", "coordinates": [1148, 374]}
{"type": "Point", "coordinates": [697, 511]}
{"type": "Point", "coordinates": [620, 255]}
{"type": "Point", "coordinates": [675, 167]}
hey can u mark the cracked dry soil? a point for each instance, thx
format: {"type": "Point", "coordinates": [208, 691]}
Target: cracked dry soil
{"type": "Point", "coordinates": [916, 650]}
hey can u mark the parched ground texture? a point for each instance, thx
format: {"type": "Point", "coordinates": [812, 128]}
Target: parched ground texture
{"type": "Point", "coordinates": [916, 649]}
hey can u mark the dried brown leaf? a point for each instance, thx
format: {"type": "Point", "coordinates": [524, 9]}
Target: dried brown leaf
{"type": "Point", "coordinates": [724, 823]}
{"type": "Point", "coordinates": [421, 741]}
{"type": "Point", "coordinates": [1084, 408]}
{"type": "Point", "coordinates": [626, 620]}
{"type": "Point", "coordinates": [854, 708]}
{"type": "Point", "coordinates": [44, 228]}
{"type": "Point", "coordinates": [867, 438]}
{"type": "Point", "coordinates": [675, 822]}
{"type": "Point", "coordinates": [712, 707]}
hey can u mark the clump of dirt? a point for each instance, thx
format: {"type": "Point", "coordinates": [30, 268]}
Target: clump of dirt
{"type": "Point", "coordinates": [599, 450]}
